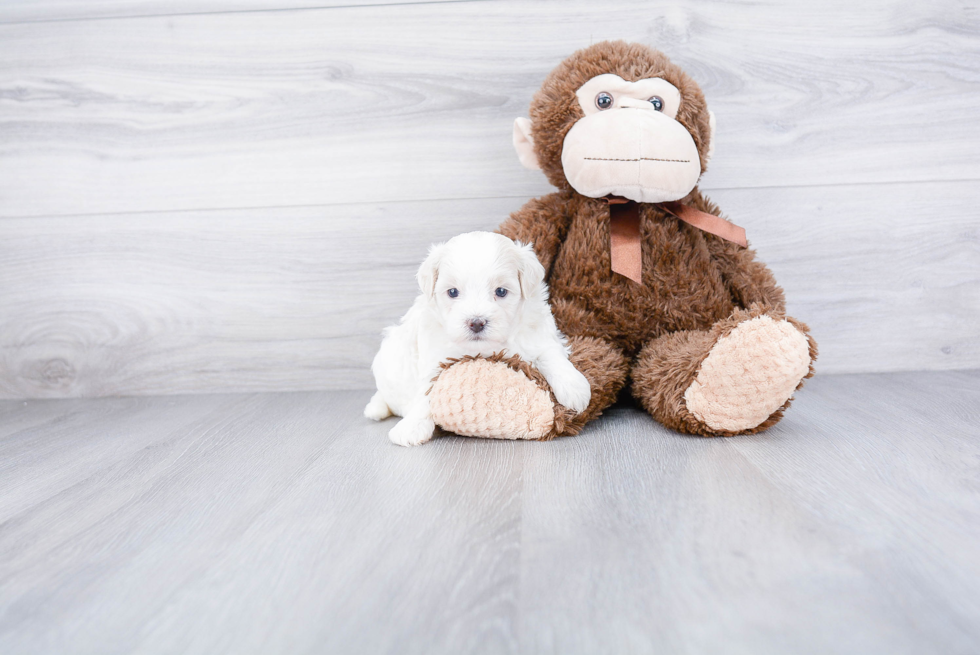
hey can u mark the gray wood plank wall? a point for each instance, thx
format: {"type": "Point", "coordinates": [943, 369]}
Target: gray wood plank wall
{"type": "Point", "coordinates": [30, 11]}
{"type": "Point", "coordinates": [225, 197]}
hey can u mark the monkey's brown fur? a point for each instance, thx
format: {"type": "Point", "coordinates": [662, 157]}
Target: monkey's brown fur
{"type": "Point", "coordinates": [555, 109]}
{"type": "Point", "coordinates": [696, 287]}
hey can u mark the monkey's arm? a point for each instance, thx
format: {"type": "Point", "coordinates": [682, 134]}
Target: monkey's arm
{"type": "Point", "coordinates": [749, 281]}
{"type": "Point", "coordinates": [542, 222]}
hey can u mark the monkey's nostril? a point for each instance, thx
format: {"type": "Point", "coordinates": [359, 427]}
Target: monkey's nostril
{"type": "Point", "coordinates": [476, 324]}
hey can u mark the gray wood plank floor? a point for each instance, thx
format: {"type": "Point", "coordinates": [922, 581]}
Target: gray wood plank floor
{"type": "Point", "coordinates": [286, 523]}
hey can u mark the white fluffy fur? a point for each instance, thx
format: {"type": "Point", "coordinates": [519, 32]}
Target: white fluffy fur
{"type": "Point", "coordinates": [436, 328]}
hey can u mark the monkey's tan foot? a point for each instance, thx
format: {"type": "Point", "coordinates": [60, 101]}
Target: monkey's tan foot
{"type": "Point", "coordinates": [748, 375]}
{"type": "Point", "coordinates": [506, 398]}
{"type": "Point", "coordinates": [493, 398]}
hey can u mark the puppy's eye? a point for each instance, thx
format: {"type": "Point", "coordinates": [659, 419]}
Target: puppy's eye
{"type": "Point", "coordinates": [603, 100]}
{"type": "Point", "coordinates": [501, 292]}
{"type": "Point", "coordinates": [453, 293]}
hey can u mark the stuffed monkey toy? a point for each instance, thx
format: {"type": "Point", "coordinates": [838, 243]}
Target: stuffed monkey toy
{"type": "Point", "coordinates": [650, 285]}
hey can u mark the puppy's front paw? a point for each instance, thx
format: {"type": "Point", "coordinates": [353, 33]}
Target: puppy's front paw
{"type": "Point", "coordinates": [572, 390]}
{"type": "Point", "coordinates": [412, 433]}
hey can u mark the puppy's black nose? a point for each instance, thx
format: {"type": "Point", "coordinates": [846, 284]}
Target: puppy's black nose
{"type": "Point", "coordinates": [477, 324]}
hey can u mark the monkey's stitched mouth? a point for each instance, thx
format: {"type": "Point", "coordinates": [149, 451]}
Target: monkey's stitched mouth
{"type": "Point", "coordinates": [675, 161]}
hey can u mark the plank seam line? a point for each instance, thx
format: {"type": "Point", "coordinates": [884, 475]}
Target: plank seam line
{"type": "Point", "coordinates": [460, 199]}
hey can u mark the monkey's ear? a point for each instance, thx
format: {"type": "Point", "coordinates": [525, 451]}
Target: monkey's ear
{"type": "Point", "coordinates": [524, 144]}
{"type": "Point", "coordinates": [429, 270]}
{"type": "Point", "coordinates": [711, 135]}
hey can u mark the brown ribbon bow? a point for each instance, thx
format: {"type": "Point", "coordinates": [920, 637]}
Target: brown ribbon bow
{"type": "Point", "coordinates": [625, 246]}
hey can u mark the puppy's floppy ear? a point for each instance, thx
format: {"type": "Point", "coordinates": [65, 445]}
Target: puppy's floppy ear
{"type": "Point", "coordinates": [530, 272]}
{"type": "Point", "coordinates": [429, 270]}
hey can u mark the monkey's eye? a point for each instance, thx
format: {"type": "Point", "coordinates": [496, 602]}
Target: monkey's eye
{"type": "Point", "coordinates": [501, 292]}
{"type": "Point", "coordinates": [453, 292]}
{"type": "Point", "coordinates": [657, 102]}
{"type": "Point", "coordinates": [603, 100]}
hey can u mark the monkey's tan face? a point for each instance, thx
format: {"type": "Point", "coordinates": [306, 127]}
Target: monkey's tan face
{"type": "Point", "coordinates": [629, 143]}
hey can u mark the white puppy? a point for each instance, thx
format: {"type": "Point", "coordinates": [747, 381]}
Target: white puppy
{"type": "Point", "coordinates": [481, 294]}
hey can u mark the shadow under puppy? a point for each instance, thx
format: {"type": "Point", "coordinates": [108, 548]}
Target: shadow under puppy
{"type": "Point", "coordinates": [481, 294]}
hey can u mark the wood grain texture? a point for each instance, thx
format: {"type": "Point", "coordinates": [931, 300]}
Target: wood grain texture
{"type": "Point", "coordinates": [296, 298]}
{"type": "Point", "coordinates": [852, 526]}
{"type": "Point", "coordinates": [887, 276]}
{"type": "Point", "coordinates": [236, 201]}
{"type": "Point", "coordinates": [417, 101]}
{"type": "Point", "coordinates": [171, 501]}
{"type": "Point", "coordinates": [255, 300]}
{"type": "Point", "coordinates": [286, 523]}
{"type": "Point", "coordinates": [26, 11]}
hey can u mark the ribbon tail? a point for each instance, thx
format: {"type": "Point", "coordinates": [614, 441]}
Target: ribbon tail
{"type": "Point", "coordinates": [625, 247]}
{"type": "Point", "coordinates": [708, 222]}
